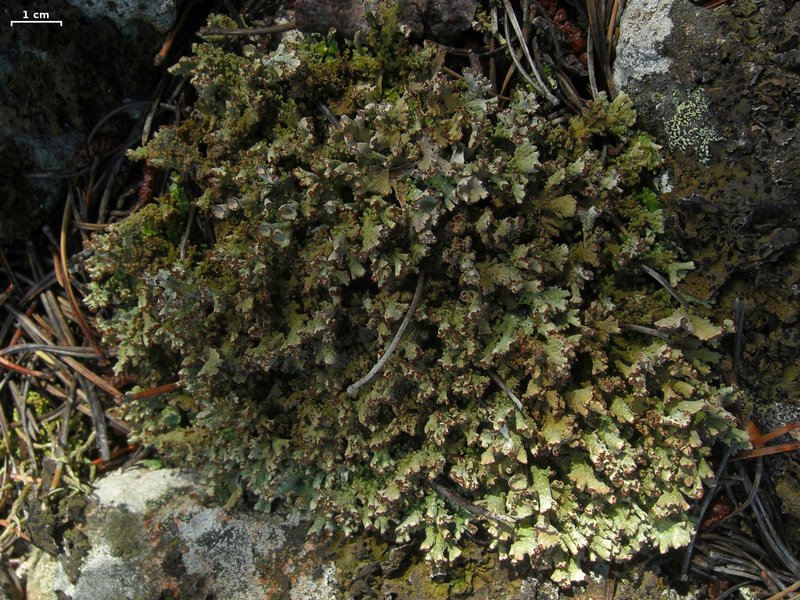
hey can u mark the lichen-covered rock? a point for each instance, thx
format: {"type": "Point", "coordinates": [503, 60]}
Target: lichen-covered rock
{"type": "Point", "coordinates": [160, 14]}
{"type": "Point", "coordinates": [358, 190]}
{"type": "Point", "coordinates": [56, 83]}
{"type": "Point", "coordinates": [434, 19]}
{"type": "Point", "coordinates": [147, 533]}
{"type": "Point", "coordinates": [727, 108]}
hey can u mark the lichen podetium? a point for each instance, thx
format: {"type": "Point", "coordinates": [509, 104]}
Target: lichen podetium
{"type": "Point", "coordinates": [356, 170]}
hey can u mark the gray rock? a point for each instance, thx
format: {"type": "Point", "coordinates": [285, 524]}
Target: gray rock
{"type": "Point", "coordinates": [147, 533]}
{"type": "Point", "coordinates": [721, 91]}
{"type": "Point", "coordinates": [644, 26]}
{"type": "Point", "coordinates": [160, 14]}
{"type": "Point", "coordinates": [435, 19]}
{"type": "Point", "coordinates": [56, 83]}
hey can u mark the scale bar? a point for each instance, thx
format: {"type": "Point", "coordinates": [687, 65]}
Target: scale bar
{"type": "Point", "coordinates": [61, 23]}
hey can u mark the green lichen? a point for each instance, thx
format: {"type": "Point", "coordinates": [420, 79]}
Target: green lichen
{"type": "Point", "coordinates": [514, 406]}
{"type": "Point", "coordinates": [690, 128]}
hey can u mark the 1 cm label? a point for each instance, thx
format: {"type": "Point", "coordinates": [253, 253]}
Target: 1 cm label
{"type": "Point", "coordinates": [35, 15]}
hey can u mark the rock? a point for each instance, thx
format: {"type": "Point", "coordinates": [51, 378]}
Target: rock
{"type": "Point", "coordinates": [56, 83]}
{"type": "Point", "coordinates": [435, 19]}
{"type": "Point", "coordinates": [159, 14]}
{"type": "Point", "coordinates": [148, 534]}
{"type": "Point", "coordinates": [721, 88]}
{"type": "Point", "coordinates": [643, 28]}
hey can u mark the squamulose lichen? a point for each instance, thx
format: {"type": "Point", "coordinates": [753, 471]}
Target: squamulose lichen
{"type": "Point", "coordinates": [516, 405]}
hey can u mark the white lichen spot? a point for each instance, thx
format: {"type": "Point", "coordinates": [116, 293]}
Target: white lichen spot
{"type": "Point", "coordinates": [137, 489]}
{"type": "Point", "coordinates": [663, 182]}
{"type": "Point", "coordinates": [690, 129]}
{"type": "Point", "coordinates": [228, 551]}
{"type": "Point", "coordinates": [316, 588]}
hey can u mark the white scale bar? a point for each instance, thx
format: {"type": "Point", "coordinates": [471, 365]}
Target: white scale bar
{"type": "Point", "coordinates": [61, 23]}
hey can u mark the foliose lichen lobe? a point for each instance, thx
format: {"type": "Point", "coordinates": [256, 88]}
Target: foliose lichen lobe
{"type": "Point", "coordinates": [326, 214]}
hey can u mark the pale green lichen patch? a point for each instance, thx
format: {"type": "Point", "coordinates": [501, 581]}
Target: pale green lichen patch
{"type": "Point", "coordinates": [514, 406]}
{"type": "Point", "coordinates": [691, 128]}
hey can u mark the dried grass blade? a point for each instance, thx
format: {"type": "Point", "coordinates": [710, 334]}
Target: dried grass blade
{"type": "Point", "coordinates": [539, 85]}
{"type": "Point", "coordinates": [76, 351]}
{"type": "Point", "coordinates": [98, 419]}
{"type": "Point", "coordinates": [4, 423]}
{"type": "Point", "coordinates": [19, 402]}
{"type": "Point", "coordinates": [68, 287]}
{"type": "Point", "coordinates": [664, 283]}
{"type": "Point", "coordinates": [785, 592]}
{"type": "Point", "coordinates": [8, 270]}
{"type": "Point", "coordinates": [115, 424]}
{"type": "Point", "coordinates": [91, 376]}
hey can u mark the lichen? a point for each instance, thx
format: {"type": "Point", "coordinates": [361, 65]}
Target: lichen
{"type": "Point", "coordinates": [690, 129]}
{"type": "Point", "coordinates": [514, 407]}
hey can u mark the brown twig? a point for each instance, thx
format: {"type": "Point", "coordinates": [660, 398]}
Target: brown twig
{"type": "Point", "coordinates": [20, 369]}
{"type": "Point", "coordinates": [469, 506]}
{"type": "Point", "coordinates": [173, 33]}
{"type": "Point", "coordinates": [155, 391]}
{"type": "Point", "coordinates": [68, 284]}
{"type": "Point", "coordinates": [91, 376]}
{"type": "Point", "coordinates": [280, 28]}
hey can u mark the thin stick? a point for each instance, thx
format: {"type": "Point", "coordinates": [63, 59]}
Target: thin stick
{"type": "Point", "coordinates": [78, 351]}
{"type": "Point", "coordinates": [784, 593]}
{"type": "Point", "coordinates": [280, 28]}
{"type": "Point", "coordinates": [186, 232]}
{"type": "Point", "coordinates": [98, 420]}
{"type": "Point", "coordinates": [352, 390]}
{"type": "Point", "coordinates": [155, 391]}
{"type": "Point", "coordinates": [68, 287]}
{"type": "Point", "coordinates": [645, 330]}
{"type": "Point", "coordinates": [6, 294]}
{"type": "Point", "coordinates": [19, 401]}
{"type": "Point", "coordinates": [53, 311]}
{"type": "Point", "coordinates": [114, 423]}
{"type": "Point", "coordinates": [103, 209]}
{"type": "Point", "coordinates": [469, 506]}
{"type": "Point", "coordinates": [496, 378]}
{"type": "Point", "coordinates": [590, 64]}
{"type": "Point", "coordinates": [109, 115]}
{"type": "Point", "coordinates": [710, 494]}
{"type": "Point", "coordinates": [664, 283]}
{"type": "Point", "coordinates": [20, 369]}
{"type": "Point", "coordinates": [17, 531]}
{"type": "Point", "coordinates": [512, 17]}
{"type": "Point", "coordinates": [93, 377]}
{"type": "Point", "coordinates": [8, 270]}
{"type": "Point", "coordinates": [173, 33]}
{"type": "Point", "coordinates": [4, 429]}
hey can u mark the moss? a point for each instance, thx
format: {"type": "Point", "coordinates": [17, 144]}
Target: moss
{"type": "Point", "coordinates": [117, 527]}
{"type": "Point", "coordinates": [514, 408]}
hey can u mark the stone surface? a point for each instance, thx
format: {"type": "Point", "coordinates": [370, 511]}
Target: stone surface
{"type": "Point", "coordinates": [644, 26]}
{"type": "Point", "coordinates": [148, 533]}
{"type": "Point", "coordinates": [159, 14]}
{"type": "Point", "coordinates": [153, 534]}
{"type": "Point", "coordinates": [435, 19]}
{"type": "Point", "coordinates": [56, 83]}
{"type": "Point", "coordinates": [721, 88]}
